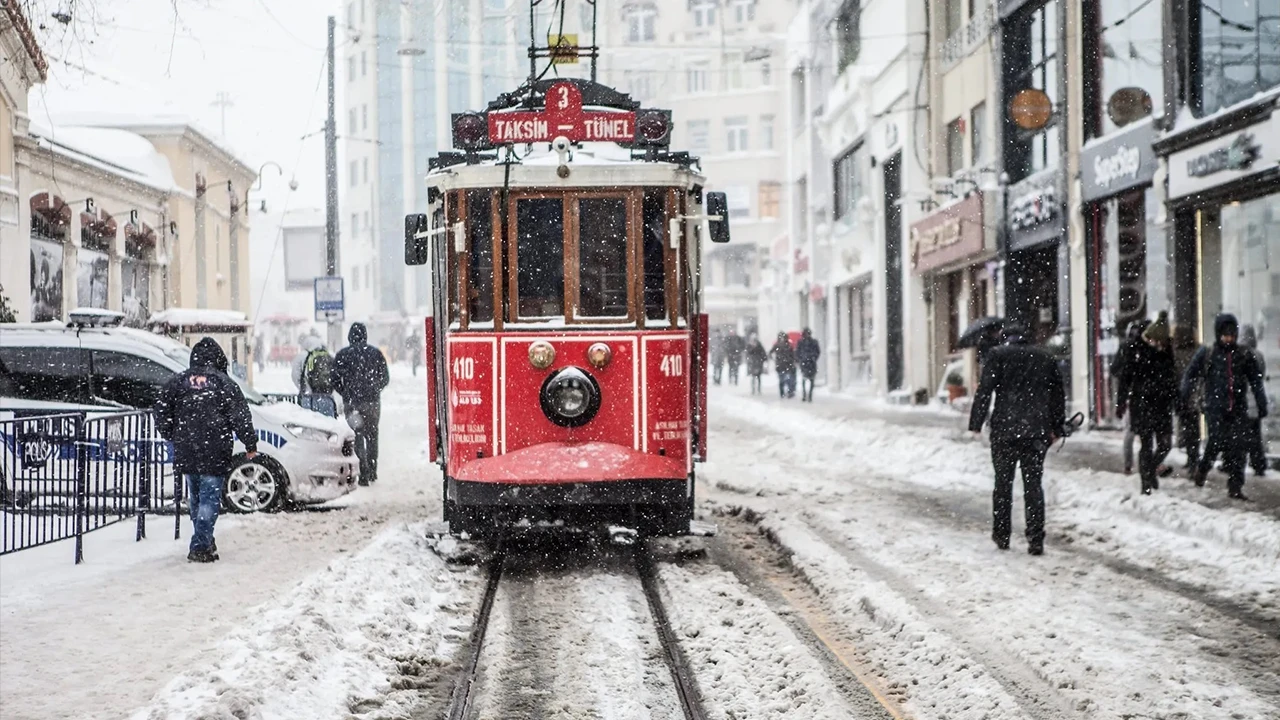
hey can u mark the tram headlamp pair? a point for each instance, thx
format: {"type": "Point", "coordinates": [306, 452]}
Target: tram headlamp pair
{"type": "Point", "coordinates": [570, 397]}
{"type": "Point", "coordinates": [542, 355]}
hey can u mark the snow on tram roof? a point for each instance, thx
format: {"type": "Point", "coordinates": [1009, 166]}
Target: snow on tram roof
{"type": "Point", "coordinates": [590, 163]}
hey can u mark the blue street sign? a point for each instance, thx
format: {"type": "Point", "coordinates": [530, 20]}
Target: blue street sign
{"type": "Point", "coordinates": [330, 299]}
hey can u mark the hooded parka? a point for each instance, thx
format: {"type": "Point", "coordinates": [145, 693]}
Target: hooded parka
{"type": "Point", "coordinates": [200, 409]}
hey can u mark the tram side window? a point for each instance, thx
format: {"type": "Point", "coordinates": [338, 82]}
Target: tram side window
{"type": "Point", "coordinates": [602, 257]}
{"type": "Point", "coordinates": [540, 256]}
{"type": "Point", "coordinates": [480, 269]}
{"type": "Point", "coordinates": [655, 243]}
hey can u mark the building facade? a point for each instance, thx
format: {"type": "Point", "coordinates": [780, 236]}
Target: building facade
{"type": "Point", "coordinates": [22, 66]}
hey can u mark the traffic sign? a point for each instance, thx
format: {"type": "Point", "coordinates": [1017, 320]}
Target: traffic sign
{"type": "Point", "coordinates": [330, 299]}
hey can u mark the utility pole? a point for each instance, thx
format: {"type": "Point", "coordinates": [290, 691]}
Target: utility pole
{"type": "Point", "coordinates": [223, 101]}
{"type": "Point", "coordinates": [331, 189]}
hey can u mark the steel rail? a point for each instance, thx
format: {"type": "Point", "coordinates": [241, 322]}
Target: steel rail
{"type": "Point", "coordinates": [681, 675]}
{"type": "Point", "coordinates": [460, 702]}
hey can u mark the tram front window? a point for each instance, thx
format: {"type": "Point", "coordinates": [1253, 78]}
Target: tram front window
{"type": "Point", "coordinates": [540, 256]}
{"type": "Point", "coordinates": [655, 243]}
{"type": "Point", "coordinates": [602, 257]}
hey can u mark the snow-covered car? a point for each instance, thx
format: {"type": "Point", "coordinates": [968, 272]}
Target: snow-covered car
{"type": "Point", "coordinates": [303, 457]}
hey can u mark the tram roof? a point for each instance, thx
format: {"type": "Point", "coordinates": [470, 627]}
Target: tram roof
{"type": "Point", "coordinates": [591, 164]}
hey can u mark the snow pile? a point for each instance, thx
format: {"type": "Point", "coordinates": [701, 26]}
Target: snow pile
{"type": "Point", "coordinates": [749, 664]}
{"type": "Point", "coordinates": [332, 644]}
{"type": "Point", "coordinates": [932, 457]}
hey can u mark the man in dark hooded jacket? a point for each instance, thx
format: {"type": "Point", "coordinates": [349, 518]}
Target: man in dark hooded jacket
{"type": "Point", "coordinates": [1029, 404]}
{"type": "Point", "coordinates": [807, 352]}
{"type": "Point", "coordinates": [198, 411]}
{"type": "Point", "coordinates": [1148, 389]}
{"type": "Point", "coordinates": [359, 375]}
{"type": "Point", "coordinates": [1229, 372]}
{"type": "Point", "coordinates": [784, 361]}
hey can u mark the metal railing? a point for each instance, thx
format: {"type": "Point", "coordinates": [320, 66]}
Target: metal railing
{"type": "Point", "coordinates": [64, 476]}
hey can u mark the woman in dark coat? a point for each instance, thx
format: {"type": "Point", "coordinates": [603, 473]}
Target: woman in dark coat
{"type": "Point", "coordinates": [1148, 390]}
{"type": "Point", "coordinates": [756, 358]}
{"type": "Point", "coordinates": [784, 361]}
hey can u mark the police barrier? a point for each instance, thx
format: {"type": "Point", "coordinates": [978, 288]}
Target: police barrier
{"type": "Point", "coordinates": [63, 476]}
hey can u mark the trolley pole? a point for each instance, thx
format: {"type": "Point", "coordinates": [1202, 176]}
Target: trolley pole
{"type": "Point", "coordinates": [331, 190]}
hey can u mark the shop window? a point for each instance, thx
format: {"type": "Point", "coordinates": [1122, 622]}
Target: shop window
{"type": "Point", "coordinates": [640, 20]}
{"type": "Point", "coordinates": [737, 135]}
{"type": "Point", "coordinates": [1125, 54]}
{"type": "Point", "coordinates": [849, 180]}
{"type": "Point", "coordinates": [955, 146]}
{"type": "Point", "coordinates": [540, 257]}
{"type": "Point", "coordinates": [849, 32]}
{"type": "Point", "coordinates": [955, 309]}
{"type": "Point", "coordinates": [602, 257]}
{"type": "Point", "coordinates": [978, 134]}
{"type": "Point", "coordinates": [50, 219]}
{"type": "Point", "coordinates": [480, 262]}
{"type": "Point", "coordinates": [1033, 61]}
{"type": "Point", "coordinates": [1234, 48]}
{"type": "Point", "coordinates": [770, 199]}
{"type": "Point", "coordinates": [699, 135]}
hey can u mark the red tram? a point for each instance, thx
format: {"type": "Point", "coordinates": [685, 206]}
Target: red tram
{"type": "Point", "coordinates": [567, 347]}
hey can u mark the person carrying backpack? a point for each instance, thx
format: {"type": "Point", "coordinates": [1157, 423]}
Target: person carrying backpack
{"type": "Point", "coordinates": [309, 344]}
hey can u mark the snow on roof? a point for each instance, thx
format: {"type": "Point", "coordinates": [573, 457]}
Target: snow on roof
{"type": "Point", "coordinates": [118, 152]}
{"type": "Point", "coordinates": [185, 317]}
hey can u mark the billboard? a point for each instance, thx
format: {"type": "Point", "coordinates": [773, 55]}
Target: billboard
{"type": "Point", "coordinates": [304, 256]}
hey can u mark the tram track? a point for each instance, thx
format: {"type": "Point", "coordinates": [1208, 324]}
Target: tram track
{"type": "Point", "coordinates": [473, 691]}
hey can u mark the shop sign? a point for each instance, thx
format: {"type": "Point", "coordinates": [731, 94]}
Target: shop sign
{"type": "Point", "coordinates": [1116, 164]}
{"type": "Point", "coordinates": [952, 233]}
{"type": "Point", "coordinates": [1225, 159]}
{"type": "Point", "coordinates": [1035, 210]}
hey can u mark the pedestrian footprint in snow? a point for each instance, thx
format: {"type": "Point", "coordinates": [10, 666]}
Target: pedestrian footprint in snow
{"type": "Point", "coordinates": [1028, 417]}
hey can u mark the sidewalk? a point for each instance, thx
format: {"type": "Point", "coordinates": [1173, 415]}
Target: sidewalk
{"type": "Point", "coordinates": [1098, 450]}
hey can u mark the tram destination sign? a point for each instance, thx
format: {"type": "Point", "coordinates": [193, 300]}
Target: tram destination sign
{"type": "Point", "coordinates": [563, 117]}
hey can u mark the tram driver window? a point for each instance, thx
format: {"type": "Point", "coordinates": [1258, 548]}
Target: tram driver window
{"type": "Point", "coordinates": [480, 267]}
{"type": "Point", "coordinates": [540, 256]}
{"type": "Point", "coordinates": [602, 257]}
{"type": "Point", "coordinates": [655, 245]}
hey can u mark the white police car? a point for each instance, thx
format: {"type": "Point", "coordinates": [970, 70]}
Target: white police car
{"type": "Point", "coordinates": [93, 365]}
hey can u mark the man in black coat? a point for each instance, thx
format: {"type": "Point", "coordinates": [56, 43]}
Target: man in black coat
{"type": "Point", "coordinates": [1132, 343]}
{"type": "Point", "coordinates": [807, 352]}
{"type": "Point", "coordinates": [198, 411]}
{"type": "Point", "coordinates": [1148, 387]}
{"type": "Point", "coordinates": [1230, 372]}
{"type": "Point", "coordinates": [359, 375]}
{"type": "Point", "coordinates": [784, 361]}
{"type": "Point", "coordinates": [733, 348]}
{"type": "Point", "coordinates": [1029, 405]}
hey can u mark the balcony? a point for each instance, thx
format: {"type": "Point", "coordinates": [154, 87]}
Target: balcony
{"type": "Point", "coordinates": [967, 39]}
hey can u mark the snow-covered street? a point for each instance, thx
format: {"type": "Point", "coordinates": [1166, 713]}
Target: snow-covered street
{"type": "Point", "coordinates": [853, 577]}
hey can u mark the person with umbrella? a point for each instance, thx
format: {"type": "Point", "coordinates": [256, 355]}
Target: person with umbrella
{"type": "Point", "coordinates": [982, 334]}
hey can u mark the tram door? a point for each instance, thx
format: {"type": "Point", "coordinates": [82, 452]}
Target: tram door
{"type": "Point", "coordinates": [440, 315]}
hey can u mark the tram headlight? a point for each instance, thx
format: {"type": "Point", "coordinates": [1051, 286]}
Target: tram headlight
{"type": "Point", "coordinates": [570, 397]}
{"type": "Point", "coordinates": [541, 355]}
{"type": "Point", "coordinates": [599, 355]}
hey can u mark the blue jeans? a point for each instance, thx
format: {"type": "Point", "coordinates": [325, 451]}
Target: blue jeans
{"type": "Point", "coordinates": [204, 496]}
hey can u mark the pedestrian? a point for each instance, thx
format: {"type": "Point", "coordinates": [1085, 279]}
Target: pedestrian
{"type": "Point", "coordinates": [717, 357]}
{"type": "Point", "coordinates": [757, 356]}
{"type": "Point", "coordinates": [1028, 417]}
{"type": "Point", "coordinates": [1257, 452]}
{"type": "Point", "coordinates": [360, 374]}
{"type": "Point", "coordinates": [1189, 411]}
{"type": "Point", "coordinates": [309, 344]}
{"type": "Point", "coordinates": [807, 352]}
{"type": "Point", "coordinates": [414, 347]}
{"type": "Point", "coordinates": [259, 352]}
{"type": "Point", "coordinates": [1230, 373]}
{"type": "Point", "coordinates": [1133, 339]}
{"type": "Point", "coordinates": [784, 362]}
{"type": "Point", "coordinates": [1147, 390]}
{"type": "Point", "coordinates": [734, 347]}
{"type": "Point", "coordinates": [199, 411]}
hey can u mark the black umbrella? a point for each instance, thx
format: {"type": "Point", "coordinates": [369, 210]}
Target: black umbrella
{"type": "Point", "coordinates": [986, 328]}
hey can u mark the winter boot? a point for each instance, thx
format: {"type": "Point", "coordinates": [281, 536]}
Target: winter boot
{"type": "Point", "coordinates": [201, 556]}
{"type": "Point", "coordinates": [1238, 495]}
{"type": "Point", "coordinates": [1002, 543]}
{"type": "Point", "coordinates": [1035, 548]}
